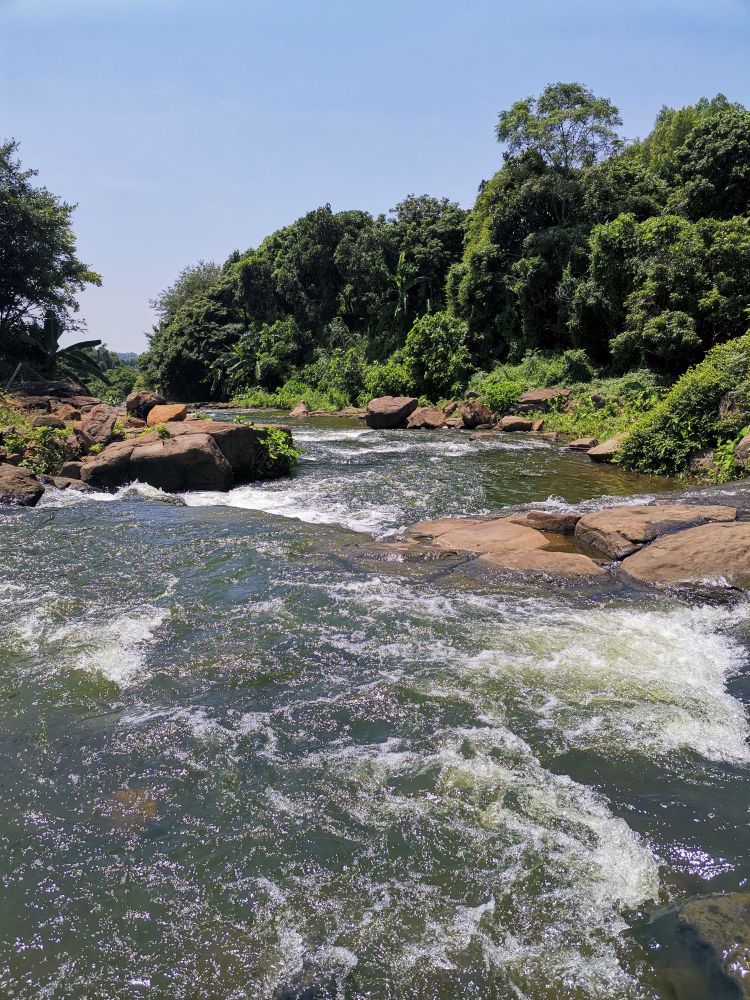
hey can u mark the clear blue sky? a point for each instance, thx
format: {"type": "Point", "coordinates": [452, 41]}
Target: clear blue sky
{"type": "Point", "coordinates": [185, 129]}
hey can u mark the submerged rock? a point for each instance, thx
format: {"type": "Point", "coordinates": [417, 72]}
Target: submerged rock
{"type": "Point", "coordinates": [712, 554]}
{"type": "Point", "coordinates": [618, 532]}
{"type": "Point", "coordinates": [389, 411]}
{"type": "Point", "coordinates": [19, 487]}
{"type": "Point", "coordinates": [717, 930]}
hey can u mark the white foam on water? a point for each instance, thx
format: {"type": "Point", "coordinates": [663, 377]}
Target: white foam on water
{"type": "Point", "coordinates": [302, 501]}
{"type": "Point", "coordinates": [626, 679]}
{"type": "Point", "coordinates": [116, 648]}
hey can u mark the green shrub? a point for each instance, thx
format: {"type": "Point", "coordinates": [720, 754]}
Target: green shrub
{"type": "Point", "coordinates": [686, 420]}
{"type": "Point", "coordinates": [498, 392]}
{"type": "Point", "coordinates": [576, 366]}
{"type": "Point", "coordinates": [292, 392]}
{"type": "Point", "coordinates": [278, 457]}
{"type": "Point", "coordinates": [388, 378]}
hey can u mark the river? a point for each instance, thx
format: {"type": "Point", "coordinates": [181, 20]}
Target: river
{"type": "Point", "coordinates": [238, 762]}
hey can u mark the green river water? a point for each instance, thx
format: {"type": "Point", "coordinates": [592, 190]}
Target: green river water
{"type": "Point", "coordinates": [239, 762]}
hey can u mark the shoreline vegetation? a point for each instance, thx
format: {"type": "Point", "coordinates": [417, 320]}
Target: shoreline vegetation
{"type": "Point", "coordinates": [615, 269]}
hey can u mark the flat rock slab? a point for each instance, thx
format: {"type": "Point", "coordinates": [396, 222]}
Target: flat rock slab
{"type": "Point", "coordinates": [164, 413]}
{"type": "Point", "coordinates": [607, 450]}
{"type": "Point", "coordinates": [618, 532]}
{"type": "Point", "coordinates": [506, 543]}
{"type": "Point", "coordinates": [515, 424]}
{"type": "Point", "coordinates": [19, 487]}
{"type": "Point", "coordinates": [541, 398]}
{"type": "Point", "coordinates": [709, 555]}
{"type": "Point", "coordinates": [541, 561]}
{"type": "Point", "coordinates": [717, 929]}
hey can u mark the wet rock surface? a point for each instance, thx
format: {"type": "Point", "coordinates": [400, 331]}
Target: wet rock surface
{"type": "Point", "coordinates": [717, 930]}
{"type": "Point", "coordinates": [19, 487]}
{"type": "Point", "coordinates": [714, 555]}
{"type": "Point", "coordinates": [618, 532]}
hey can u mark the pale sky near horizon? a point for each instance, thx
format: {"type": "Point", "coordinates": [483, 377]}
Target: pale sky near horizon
{"type": "Point", "coordinates": [184, 130]}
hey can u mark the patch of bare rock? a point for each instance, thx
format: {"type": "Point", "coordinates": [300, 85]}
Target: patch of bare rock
{"type": "Point", "coordinates": [618, 532]}
{"type": "Point", "coordinates": [197, 454]}
{"type": "Point", "coordinates": [387, 412]}
{"type": "Point", "coordinates": [678, 545]}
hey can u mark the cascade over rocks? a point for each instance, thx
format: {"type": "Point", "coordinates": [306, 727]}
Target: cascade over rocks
{"type": "Point", "coordinates": [387, 412]}
{"type": "Point", "coordinates": [19, 487]}
{"type": "Point", "coordinates": [617, 532]}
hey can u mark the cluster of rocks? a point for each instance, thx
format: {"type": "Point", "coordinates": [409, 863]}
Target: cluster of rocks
{"type": "Point", "coordinates": [680, 545]}
{"type": "Point", "coordinates": [394, 412]}
{"type": "Point", "coordinates": [148, 440]}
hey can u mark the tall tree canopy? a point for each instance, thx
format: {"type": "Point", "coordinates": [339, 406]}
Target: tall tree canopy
{"type": "Point", "coordinates": [40, 273]}
{"type": "Point", "coordinates": [566, 125]}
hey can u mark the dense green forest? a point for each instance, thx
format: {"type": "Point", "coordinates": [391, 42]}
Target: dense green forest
{"type": "Point", "coordinates": [634, 254]}
{"type": "Point", "coordinates": [585, 259]}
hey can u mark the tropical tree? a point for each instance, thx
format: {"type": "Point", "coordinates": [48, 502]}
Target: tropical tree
{"type": "Point", "coordinates": [76, 361]}
{"type": "Point", "coordinates": [566, 125]}
{"type": "Point", "coordinates": [39, 269]}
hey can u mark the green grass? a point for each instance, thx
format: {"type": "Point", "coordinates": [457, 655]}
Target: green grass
{"type": "Point", "coordinates": [287, 397]}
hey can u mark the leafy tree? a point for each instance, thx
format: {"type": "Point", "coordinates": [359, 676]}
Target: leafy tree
{"type": "Point", "coordinates": [190, 283]}
{"type": "Point", "coordinates": [671, 131]}
{"type": "Point", "coordinates": [437, 354]}
{"type": "Point", "coordinates": [713, 168]}
{"type": "Point", "coordinates": [566, 125]}
{"type": "Point", "coordinates": [40, 273]}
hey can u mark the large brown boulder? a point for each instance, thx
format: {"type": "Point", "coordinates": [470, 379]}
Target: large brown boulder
{"type": "Point", "coordinates": [712, 554]}
{"type": "Point", "coordinates": [99, 422]}
{"type": "Point", "coordinates": [190, 462]}
{"type": "Point", "coordinates": [473, 414]}
{"type": "Point", "coordinates": [511, 423]}
{"type": "Point", "coordinates": [300, 410]}
{"type": "Point", "coordinates": [19, 487]}
{"type": "Point", "coordinates": [389, 411]}
{"type": "Point", "coordinates": [717, 931]}
{"type": "Point", "coordinates": [166, 412]}
{"type": "Point", "coordinates": [139, 404]}
{"type": "Point", "coordinates": [607, 450]}
{"type": "Point", "coordinates": [558, 523]}
{"type": "Point", "coordinates": [426, 418]}
{"type": "Point", "coordinates": [618, 532]}
{"type": "Point", "coordinates": [235, 454]}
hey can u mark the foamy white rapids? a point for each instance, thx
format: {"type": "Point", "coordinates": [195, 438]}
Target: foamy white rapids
{"type": "Point", "coordinates": [626, 679]}
{"type": "Point", "coordinates": [302, 500]}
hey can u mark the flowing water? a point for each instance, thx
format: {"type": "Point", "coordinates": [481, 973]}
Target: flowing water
{"type": "Point", "coordinates": [238, 761]}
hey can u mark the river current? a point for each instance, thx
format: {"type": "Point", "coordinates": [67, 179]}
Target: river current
{"type": "Point", "coordinates": [238, 762]}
